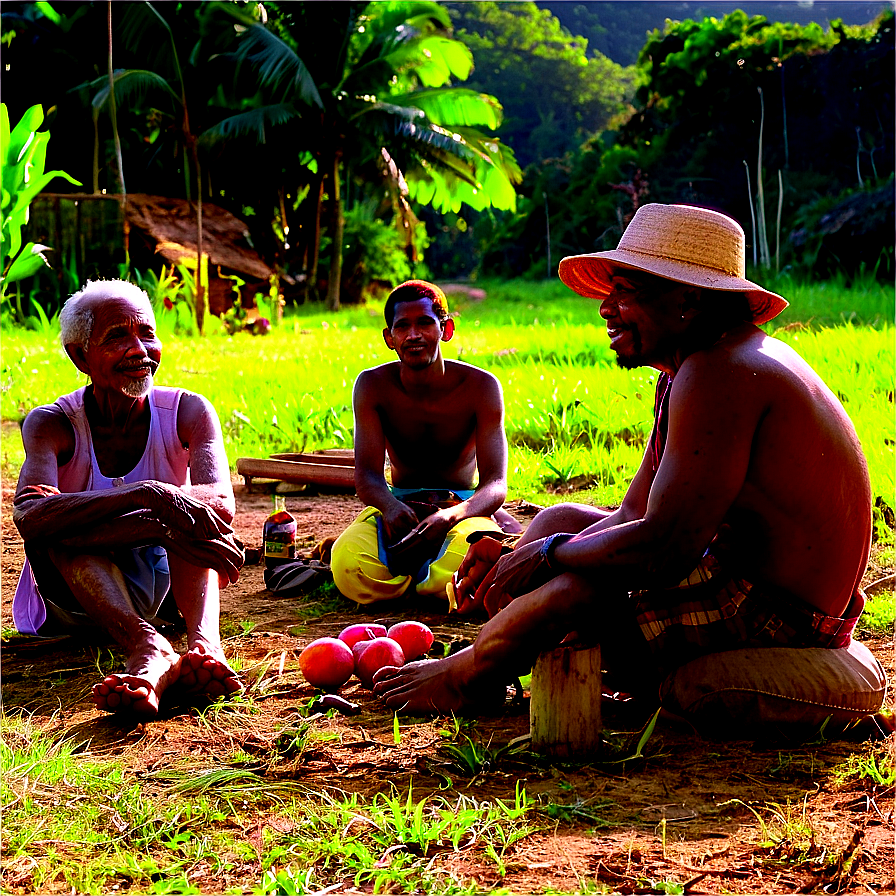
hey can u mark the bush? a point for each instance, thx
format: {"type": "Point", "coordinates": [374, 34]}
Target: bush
{"type": "Point", "coordinates": [377, 255]}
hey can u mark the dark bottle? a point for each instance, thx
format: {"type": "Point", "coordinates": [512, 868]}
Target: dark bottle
{"type": "Point", "coordinates": [279, 535]}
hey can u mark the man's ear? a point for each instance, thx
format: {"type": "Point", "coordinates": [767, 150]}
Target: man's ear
{"type": "Point", "coordinates": [448, 330]}
{"type": "Point", "coordinates": [387, 338]}
{"type": "Point", "coordinates": [691, 302]}
{"type": "Point", "coordinates": [76, 352]}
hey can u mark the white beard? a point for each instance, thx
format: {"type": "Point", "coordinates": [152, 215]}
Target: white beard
{"type": "Point", "coordinates": [138, 388]}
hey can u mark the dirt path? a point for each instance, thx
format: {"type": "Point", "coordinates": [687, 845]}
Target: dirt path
{"type": "Point", "coordinates": [597, 825]}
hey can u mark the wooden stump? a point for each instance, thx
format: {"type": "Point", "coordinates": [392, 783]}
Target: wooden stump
{"type": "Point", "coordinates": [564, 708]}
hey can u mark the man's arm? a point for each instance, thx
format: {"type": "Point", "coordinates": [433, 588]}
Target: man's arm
{"type": "Point", "coordinates": [715, 411]}
{"type": "Point", "coordinates": [199, 429]}
{"type": "Point", "coordinates": [370, 458]}
{"type": "Point", "coordinates": [140, 513]}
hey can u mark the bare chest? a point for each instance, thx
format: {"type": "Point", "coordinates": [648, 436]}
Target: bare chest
{"type": "Point", "coordinates": [118, 452]}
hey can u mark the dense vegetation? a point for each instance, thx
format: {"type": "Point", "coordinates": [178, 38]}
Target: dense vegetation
{"type": "Point", "coordinates": [334, 129]}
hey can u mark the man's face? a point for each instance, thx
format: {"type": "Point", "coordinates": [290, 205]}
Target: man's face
{"type": "Point", "coordinates": [416, 333]}
{"type": "Point", "coordinates": [124, 351]}
{"type": "Point", "coordinates": [643, 315]}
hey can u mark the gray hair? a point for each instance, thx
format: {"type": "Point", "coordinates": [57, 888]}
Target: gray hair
{"type": "Point", "coordinates": [76, 317]}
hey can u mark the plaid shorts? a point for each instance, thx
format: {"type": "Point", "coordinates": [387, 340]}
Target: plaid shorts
{"type": "Point", "coordinates": [712, 611]}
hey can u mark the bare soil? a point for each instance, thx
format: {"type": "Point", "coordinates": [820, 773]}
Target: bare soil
{"type": "Point", "coordinates": [667, 818]}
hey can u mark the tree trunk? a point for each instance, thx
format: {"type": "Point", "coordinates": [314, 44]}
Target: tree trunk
{"type": "Point", "coordinates": [112, 115]}
{"type": "Point", "coordinates": [564, 708]}
{"type": "Point", "coordinates": [336, 246]}
{"type": "Point", "coordinates": [314, 244]}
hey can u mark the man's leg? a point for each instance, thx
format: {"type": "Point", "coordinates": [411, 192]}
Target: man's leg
{"type": "Point", "coordinates": [509, 643]}
{"type": "Point", "coordinates": [203, 668]}
{"type": "Point", "coordinates": [152, 665]}
{"type": "Point", "coordinates": [452, 552]}
{"type": "Point", "coordinates": [358, 571]}
{"type": "Point", "coordinates": [563, 518]}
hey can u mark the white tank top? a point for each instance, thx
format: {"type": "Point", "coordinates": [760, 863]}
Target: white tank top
{"type": "Point", "coordinates": [164, 459]}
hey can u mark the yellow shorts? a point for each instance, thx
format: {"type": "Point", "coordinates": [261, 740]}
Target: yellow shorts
{"type": "Point", "coordinates": [361, 575]}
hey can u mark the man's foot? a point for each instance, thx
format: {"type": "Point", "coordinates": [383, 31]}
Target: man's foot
{"type": "Point", "coordinates": [203, 670]}
{"type": "Point", "coordinates": [139, 688]}
{"type": "Point", "coordinates": [438, 686]}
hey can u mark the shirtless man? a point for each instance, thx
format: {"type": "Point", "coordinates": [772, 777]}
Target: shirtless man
{"type": "Point", "coordinates": [125, 492]}
{"type": "Point", "coordinates": [439, 421]}
{"type": "Point", "coordinates": [748, 522]}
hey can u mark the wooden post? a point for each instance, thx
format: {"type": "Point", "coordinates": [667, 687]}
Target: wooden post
{"type": "Point", "coordinates": [564, 708]}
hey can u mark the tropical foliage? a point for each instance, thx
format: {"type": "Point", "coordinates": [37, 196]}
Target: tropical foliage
{"type": "Point", "coordinates": [554, 91]}
{"type": "Point", "coordinates": [761, 120]}
{"type": "Point", "coordinates": [371, 90]}
{"type": "Point", "coordinates": [23, 151]}
{"type": "Point", "coordinates": [311, 120]}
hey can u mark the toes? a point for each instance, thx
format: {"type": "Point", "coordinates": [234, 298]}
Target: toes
{"type": "Point", "coordinates": [385, 674]}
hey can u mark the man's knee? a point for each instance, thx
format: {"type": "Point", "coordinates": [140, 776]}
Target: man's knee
{"type": "Point", "coordinates": [358, 571]}
{"type": "Point", "coordinates": [573, 595]}
{"type": "Point", "coordinates": [564, 518]}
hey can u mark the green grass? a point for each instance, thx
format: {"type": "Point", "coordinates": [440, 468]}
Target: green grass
{"type": "Point", "coordinates": [74, 821]}
{"type": "Point", "coordinates": [572, 415]}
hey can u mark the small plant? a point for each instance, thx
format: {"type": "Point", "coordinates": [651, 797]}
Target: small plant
{"type": "Point", "coordinates": [875, 766]}
{"type": "Point", "coordinates": [23, 151]}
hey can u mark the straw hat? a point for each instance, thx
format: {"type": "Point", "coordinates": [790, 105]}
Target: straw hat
{"type": "Point", "coordinates": [681, 243]}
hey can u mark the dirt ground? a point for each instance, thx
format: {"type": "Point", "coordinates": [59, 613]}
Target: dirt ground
{"type": "Point", "coordinates": [641, 827]}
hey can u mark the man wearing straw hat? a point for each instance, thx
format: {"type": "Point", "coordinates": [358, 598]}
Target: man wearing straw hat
{"type": "Point", "coordinates": [748, 523]}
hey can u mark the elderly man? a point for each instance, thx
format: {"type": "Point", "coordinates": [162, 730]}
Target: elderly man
{"type": "Point", "coordinates": [748, 522]}
{"type": "Point", "coordinates": [439, 421]}
{"type": "Point", "coordinates": [124, 494]}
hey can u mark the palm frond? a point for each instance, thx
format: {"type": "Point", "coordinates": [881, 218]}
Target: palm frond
{"type": "Point", "coordinates": [251, 123]}
{"type": "Point", "coordinates": [455, 106]}
{"type": "Point", "coordinates": [385, 25]}
{"type": "Point", "coordinates": [277, 64]}
{"type": "Point", "coordinates": [431, 182]}
{"type": "Point", "coordinates": [130, 85]}
{"type": "Point", "coordinates": [430, 60]}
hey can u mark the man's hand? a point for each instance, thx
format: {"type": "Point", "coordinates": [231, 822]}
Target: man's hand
{"type": "Point", "coordinates": [220, 554]}
{"type": "Point", "coordinates": [398, 520]}
{"type": "Point", "coordinates": [519, 572]}
{"type": "Point", "coordinates": [434, 528]}
{"type": "Point", "coordinates": [180, 511]}
{"type": "Point", "coordinates": [476, 566]}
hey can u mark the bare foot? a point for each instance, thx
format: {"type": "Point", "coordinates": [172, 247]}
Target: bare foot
{"type": "Point", "coordinates": [203, 670]}
{"type": "Point", "coordinates": [438, 686]}
{"type": "Point", "coordinates": [138, 689]}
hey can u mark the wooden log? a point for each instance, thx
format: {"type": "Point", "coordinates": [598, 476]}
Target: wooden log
{"type": "Point", "coordinates": [342, 459]}
{"type": "Point", "coordinates": [564, 708]}
{"type": "Point", "coordinates": [296, 471]}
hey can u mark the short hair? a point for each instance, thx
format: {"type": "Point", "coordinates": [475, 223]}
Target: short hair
{"type": "Point", "coordinates": [77, 316]}
{"type": "Point", "coordinates": [413, 291]}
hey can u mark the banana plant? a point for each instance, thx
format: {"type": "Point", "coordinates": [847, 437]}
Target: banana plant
{"type": "Point", "coordinates": [24, 154]}
{"type": "Point", "coordinates": [375, 98]}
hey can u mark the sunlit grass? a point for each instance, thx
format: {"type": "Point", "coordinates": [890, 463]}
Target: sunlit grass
{"type": "Point", "coordinates": [75, 822]}
{"type": "Point", "coordinates": [572, 415]}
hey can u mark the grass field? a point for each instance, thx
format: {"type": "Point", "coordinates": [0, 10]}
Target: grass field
{"type": "Point", "coordinates": [573, 417]}
{"type": "Point", "coordinates": [263, 795]}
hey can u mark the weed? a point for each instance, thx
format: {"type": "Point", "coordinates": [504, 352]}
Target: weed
{"type": "Point", "coordinates": [787, 836]}
{"type": "Point", "coordinates": [577, 812]}
{"type": "Point", "coordinates": [874, 766]}
{"type": "Point", "coordinates": [469, 757]}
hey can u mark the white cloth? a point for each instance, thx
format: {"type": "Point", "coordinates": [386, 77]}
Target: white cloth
{"type": "Point", "coordinates": [164, 459]}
